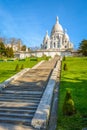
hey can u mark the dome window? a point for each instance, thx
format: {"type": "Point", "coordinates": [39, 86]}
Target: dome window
{"type": "Point", "coordinates": [54, 44]}
{"type": "Point", "coordinates": [65, 46]}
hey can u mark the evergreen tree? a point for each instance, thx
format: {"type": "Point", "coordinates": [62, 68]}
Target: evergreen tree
{"type": "Point", "coordinates": [17, 67]}
{"type": "Point", "coordinates": [83, 47]}
{"type": "Point", "coordinates": [22, 66]}
{"type": "Point", "coordinates": [68, 106]}
{"type": "Point", "coordinates": [65, 67]}
{"type": "Point", "coordinates": [2, 49]}
{"type": "Point", "coordinates": [64, 58]}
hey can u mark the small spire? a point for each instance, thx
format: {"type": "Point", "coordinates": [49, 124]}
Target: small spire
{"type": "Point", "coordinates": [46, 36]}
{"type": "Point", "coordinates": [57, 19]}
{"type": "Point", "coordinates": [47, 32]}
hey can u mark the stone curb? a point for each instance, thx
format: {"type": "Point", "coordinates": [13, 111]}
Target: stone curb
{"type": "Point", "coordinates": [54, 105]}
{"type": "Point", "coordinates": [42, 114]}
{"type": "Point", "coordinates": [6, 82]}
{"type": "Point", "coordinates": [37, 64]}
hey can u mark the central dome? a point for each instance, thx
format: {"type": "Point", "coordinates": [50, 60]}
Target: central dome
{"type": "Point", "coordinates": [57, 27]}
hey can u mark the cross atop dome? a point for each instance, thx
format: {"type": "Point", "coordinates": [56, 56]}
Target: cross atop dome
{"type": "Point", "coordinates": [57, 19]}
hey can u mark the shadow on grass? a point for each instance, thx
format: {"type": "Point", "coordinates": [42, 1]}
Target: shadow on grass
{"type": "Point", "coordinates": [78, 89]}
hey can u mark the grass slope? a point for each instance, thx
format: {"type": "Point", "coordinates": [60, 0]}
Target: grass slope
{"type": "Point", "coordinates": [7, 69]}
{"type": "Point", "coordinates": [74, 78]}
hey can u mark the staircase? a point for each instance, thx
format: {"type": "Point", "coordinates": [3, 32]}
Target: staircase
{"type": "Point", "coordinates": [20, 99]}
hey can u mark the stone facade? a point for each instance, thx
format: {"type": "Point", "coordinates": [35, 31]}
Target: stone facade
{"type": "Point", "coordinates": [58, 39]}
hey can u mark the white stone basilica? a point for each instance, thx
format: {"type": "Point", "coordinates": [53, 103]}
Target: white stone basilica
{"type": "Point", "coordinates": [57, 44]}
{"type": "Point", "coordinates": [58, 40]}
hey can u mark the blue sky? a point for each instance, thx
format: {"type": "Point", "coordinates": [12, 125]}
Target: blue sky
{"type": "Point", "coordinates": [29, 19]}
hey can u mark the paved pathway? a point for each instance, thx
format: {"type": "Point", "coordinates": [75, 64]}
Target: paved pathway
{"type": "Point", "coordinates": [19, 101]}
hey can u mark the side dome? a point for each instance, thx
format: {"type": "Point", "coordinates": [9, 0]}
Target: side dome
{"type": "Point", "coordinates": [66, 35]}
{"type": "Point", "coordinates": [46, 37]}
{"type": "Point", "coordinates": [57, 27]}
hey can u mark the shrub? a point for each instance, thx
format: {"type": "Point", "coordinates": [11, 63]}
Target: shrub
{"type": "Point", "coordinates": [47, 58]}
{"type": "Point", "coordinates": [10, 60]}
{"type": "Point", "coordinates": [17, 68]}
{"type": "Point", "coordinates": [65, 67]}
{"type": "Point", "coordinates": [64, 58]}
{"type": "Point", "coordinates": [68, 106]}
{"type": "Point", "coordinates": [22, 66]}
{"type": "Point", "coordinates": [21, 59]}
{"type": "Point", "coordinates": [34, 59]}
{"type": "Point", "coordinates": [1, 60]}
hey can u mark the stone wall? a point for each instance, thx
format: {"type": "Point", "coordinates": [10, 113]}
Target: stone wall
{"type": "Point", "coordinates": [40, 53]}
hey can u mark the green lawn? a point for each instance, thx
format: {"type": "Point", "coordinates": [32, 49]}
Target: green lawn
{"type": "Point", "coordinates": [74, 78]}
{"type": "Point", "coordinates": [7, 68]}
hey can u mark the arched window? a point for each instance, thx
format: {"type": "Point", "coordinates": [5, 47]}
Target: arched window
{"type": "Point", "coordinates": [46, 45]}
{"type": "Point", "coordinates": [65, 46]}
{"type": "Point", "coordinates": [54, 45]}
{"type": "Point", "coordinates": [58, 45]}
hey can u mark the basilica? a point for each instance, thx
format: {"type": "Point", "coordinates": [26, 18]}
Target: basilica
{"type": "Point", "coordinates": [58, 43]}
{"type": "Point", "coordinates": [58, 40]}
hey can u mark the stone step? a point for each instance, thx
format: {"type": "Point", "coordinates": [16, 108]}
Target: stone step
{"type": "Point", "coordinates": [15, 120]}
{"type": "Point", "coordinates": [23, 86]}
{"type": "Point", "coordinates": [19, 100]}
{"type": "Point", "coordinates": [15, 115]}
{"type": "Point", "coordinates": [26, 88]}
{"type": "Point", "coordinates": [21, 92]}
{"type": "Point", "coordinates": [25, 108]}
{"type": "Point", "coordinates": [20, 95]}
{"type": "Point", "coordinates": [17, 104]}
{"type": "Point", "coordinates": [39, 86]}
{"type": "Point", "coordinates": [11, 126]}
{"type": "Point", "coordinates": [15, 110]}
